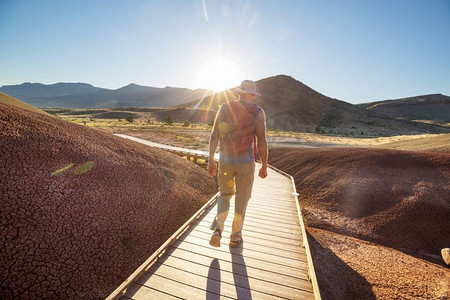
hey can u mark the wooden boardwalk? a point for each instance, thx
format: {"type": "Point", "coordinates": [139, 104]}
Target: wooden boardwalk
{"type": "Point", "coordinates": [270, 263]}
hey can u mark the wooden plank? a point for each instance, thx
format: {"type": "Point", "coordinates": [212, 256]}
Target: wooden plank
{"type": "Point", "coordinates": [213, 271]}
{"type": "Point", "coordinates": [274, 236]}
{"type": "Point", "coordinates": [167, 285]}
{"type": "Point", "coordinates": [257, 244]}
{"type": "Point", "coordinates": [252, 218]}
{"type": "Point", "coordinates": [203, 240]}
{"type": "Point", "coordinates": [240, 287]}
{"type": "Point", "coordinates": [261, 220]}
{"type": "Point", "coordinates": [264, 208]}
{"type": "Point", "coordinates": [260, 238]}
{"type": "Point", "coordinates": [258, 224]}
{"type": "Point", "coordinates": [138, 291]}
{"type": "Point", "coordinates": [295, 269]}
{"type": "Point", "coordinates": [292, 261]}
{"type": "Point", "coordinates": [258, 273]}
{"type": "Point", "coordinates": [290, 218]}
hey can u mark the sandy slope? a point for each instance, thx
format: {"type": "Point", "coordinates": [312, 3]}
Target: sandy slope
{"type": "Point", "coordinates": [81, 209]}
{"type": "Point", "coordinates": [396, 203]}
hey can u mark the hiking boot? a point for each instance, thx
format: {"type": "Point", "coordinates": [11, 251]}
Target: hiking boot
{"type": "Point", "coordinates": [215, 239]}
{"type": "Point", "coordinates": [236, 243]}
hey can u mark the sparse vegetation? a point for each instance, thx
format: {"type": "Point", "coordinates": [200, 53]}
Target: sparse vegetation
{"type": "Point", "coordinates": [154, 130]}
{"type": "Point", "coordinates": [169, 119]}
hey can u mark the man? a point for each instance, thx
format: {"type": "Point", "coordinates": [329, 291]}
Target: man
{"type": "Point", "coordinates": [235, 127]}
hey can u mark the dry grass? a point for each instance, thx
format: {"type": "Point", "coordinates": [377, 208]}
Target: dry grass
{"type": "Point", "coordinates": [428, 143]}
{"type": "Point", "coordinates": [348, 140]}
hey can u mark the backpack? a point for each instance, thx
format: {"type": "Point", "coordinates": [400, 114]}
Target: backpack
{"type": "Point", "coordinates": [237, 128]}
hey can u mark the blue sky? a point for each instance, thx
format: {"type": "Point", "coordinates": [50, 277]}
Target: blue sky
{"type": "Point", "coordinates": [356, 51]}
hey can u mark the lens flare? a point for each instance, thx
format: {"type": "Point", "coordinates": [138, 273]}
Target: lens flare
{"type": "Point", "coordinates": [84, 168]}
{"type": "Point", "coordinates": [62, 169]}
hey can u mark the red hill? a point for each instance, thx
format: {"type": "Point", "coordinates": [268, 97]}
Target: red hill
{"type": "Point", "coordinates": [396, 198]}
{"type": "Point", "coordinates": [82, 209]}
{"type": "Point", "coordinates": [377, 219]}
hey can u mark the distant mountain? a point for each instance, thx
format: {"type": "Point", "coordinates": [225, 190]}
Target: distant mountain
{"type": "Point", "coordinates": [27, 91]}
{"type": "Point", "coordinates": [82, 95]}
{"type": "Point", "coordinates": [435, 107]}
{"type": "Point", "coordinates": [291, 105]}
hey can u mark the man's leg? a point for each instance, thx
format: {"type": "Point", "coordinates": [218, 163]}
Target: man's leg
{"type": "Point", "coordinates": [245, 174]}
{"type": "Point", "coordinates": [227, 190]}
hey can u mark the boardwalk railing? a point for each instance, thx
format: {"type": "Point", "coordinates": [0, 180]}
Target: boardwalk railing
{"type": "Point", "coordinates": [312, 272]}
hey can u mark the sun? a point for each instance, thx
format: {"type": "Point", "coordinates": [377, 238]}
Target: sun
{"type": "Point", "coordinates": [218, 75]}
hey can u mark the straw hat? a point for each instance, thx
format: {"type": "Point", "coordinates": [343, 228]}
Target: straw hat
{"type": "Point", "coordinates": [247, 87]}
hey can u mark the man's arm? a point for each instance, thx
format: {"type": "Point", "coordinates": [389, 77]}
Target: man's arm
{"type": "Point", "coordinates": [213, 142]}
{"type": "Point", "coordinates": [262, 143]}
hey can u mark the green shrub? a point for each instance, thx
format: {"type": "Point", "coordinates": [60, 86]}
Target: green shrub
{"type": "Point", "coordinates": [169, 119]}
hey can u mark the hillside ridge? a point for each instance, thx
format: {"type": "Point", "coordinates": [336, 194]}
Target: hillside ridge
{"type": "Point", "coordinates": [431, 107]}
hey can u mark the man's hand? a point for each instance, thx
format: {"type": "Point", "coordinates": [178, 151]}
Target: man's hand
{"type": "Point", "coordinates": [263, 172]}
{"type": "Point", "coordinates": [212, 167]}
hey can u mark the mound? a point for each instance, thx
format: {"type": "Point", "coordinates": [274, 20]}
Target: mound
{"type": "Point", "coordinates": [82, 209]}
{"type": "Point", "coordinates": [15, 102]}
{"type": "Point", "coordinates": [395, 198]}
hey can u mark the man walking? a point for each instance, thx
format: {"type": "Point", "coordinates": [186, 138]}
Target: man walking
{"type": "Point", "coordinates": [235, 127]}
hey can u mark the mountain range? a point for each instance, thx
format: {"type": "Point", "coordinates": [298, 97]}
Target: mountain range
{"type": "Point", "coordinates": [289, 105]}
{"type": "Point", "coordinates": [82, 95]}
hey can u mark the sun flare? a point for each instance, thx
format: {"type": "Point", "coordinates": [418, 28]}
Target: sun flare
{"type": "Point", "coordinates": [218, 75]}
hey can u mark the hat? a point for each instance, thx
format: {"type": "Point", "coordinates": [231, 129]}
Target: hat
{"type": "Point", "coordinates": [247, 87]}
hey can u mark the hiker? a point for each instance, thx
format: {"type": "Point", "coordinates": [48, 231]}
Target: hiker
{"type": "Point", "coordinates": [238, 125]}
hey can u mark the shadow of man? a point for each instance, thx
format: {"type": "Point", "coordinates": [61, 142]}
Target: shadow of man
{"type": "Point", "coordinates": [240, 275]}
{"type": "Point", "coordinates": [213, 282]}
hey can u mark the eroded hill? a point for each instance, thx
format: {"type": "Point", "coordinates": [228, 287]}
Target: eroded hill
{"type": "Point", "coordinates": [375, 218]}
{"type": "Point", "coordinates": [82, 209]}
